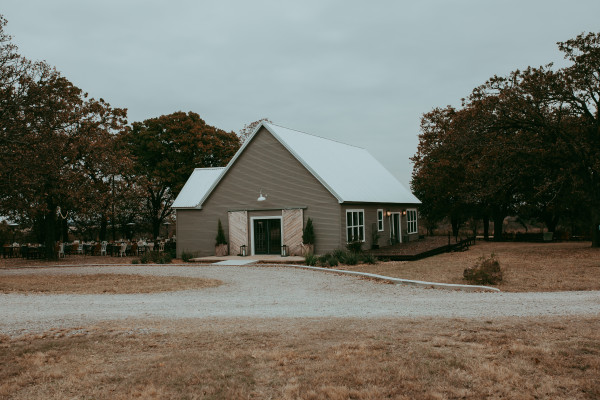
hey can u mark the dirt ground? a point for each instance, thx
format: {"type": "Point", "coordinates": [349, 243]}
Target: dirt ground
{"type": "Point", "coordinates": [527, 267]}
{"type": "Point", "coordinates": [516, 358]}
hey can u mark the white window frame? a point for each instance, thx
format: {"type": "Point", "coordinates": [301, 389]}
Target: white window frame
{"type": "Point", "coordinates": [355, 224]}
{"type": "Point", "coordinates": [411, 224]}
{"type": "Point", "coordinates": [380, 226]}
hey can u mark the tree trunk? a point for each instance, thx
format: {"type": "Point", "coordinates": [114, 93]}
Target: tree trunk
{"type": "Point", "coordinates": [486, 227]}
{"type": "Point", "coordinates": [103, 227]}
{"type": "Point", "coordinates": [498, 222]}
{"type": "Point", "coordinates": [64, 226]}
{"type": "Point", "coordinates": [551, 220]}
{"type": "Point", "coordinates": [455, 226]}
{"type": "Point", "coordinates": [50, 231]}
{"type": "Point", "coordinates": [155, 227]}
{"type": "Point", "coordinates": [595, 227]}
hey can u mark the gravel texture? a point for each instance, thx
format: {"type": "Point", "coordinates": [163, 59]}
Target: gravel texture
{"type": "Point", "coordinates": [270, 292]}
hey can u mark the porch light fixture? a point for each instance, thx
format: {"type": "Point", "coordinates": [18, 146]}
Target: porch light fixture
{"type": "Point", "coordinates": [261, 196]}
{"type": "Point", "coordinates": [403, 212]}
{"type": "Point", "coordinates": [388, 213]}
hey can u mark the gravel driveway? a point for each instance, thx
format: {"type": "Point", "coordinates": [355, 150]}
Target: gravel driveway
{"type": "Point", "coordinates": [271, 292]}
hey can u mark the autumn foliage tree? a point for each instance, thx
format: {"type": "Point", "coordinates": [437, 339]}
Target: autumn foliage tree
{"type": "Point", "coordinates": [55, 142]}
{"type": "Point", "coordinates": [166, 150]}
{"type": "Point", "coordinates": [524, 144]}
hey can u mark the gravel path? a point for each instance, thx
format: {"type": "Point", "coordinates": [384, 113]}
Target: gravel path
{"type": "Point", "coordinates": [271, 292]}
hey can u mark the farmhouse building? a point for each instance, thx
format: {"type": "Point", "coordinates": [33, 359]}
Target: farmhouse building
{"type": "Point", "coordinates": [276, 181]}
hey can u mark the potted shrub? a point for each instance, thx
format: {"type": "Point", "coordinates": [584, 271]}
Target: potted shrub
{"type": "Point", "coordinates": [308, 238]}
{"type": "Point", "coordinates": [221, 245]}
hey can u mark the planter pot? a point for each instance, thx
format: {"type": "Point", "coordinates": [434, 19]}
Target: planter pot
{"type": "Point", "coordinates": [221, 250]}
{"type": "Point", "coordinates": [307, 249]}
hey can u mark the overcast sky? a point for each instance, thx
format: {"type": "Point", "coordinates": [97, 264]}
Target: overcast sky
{"type": "Point", "coordinates": [355, 71]}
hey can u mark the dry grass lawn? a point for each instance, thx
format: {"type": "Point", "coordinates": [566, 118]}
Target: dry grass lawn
{"type": "Point", "coordinates": [524, 358]}
{"type": "Point", "coordinates": [100, 283]}
{"type": "Point", "coordinates": [528, 267]}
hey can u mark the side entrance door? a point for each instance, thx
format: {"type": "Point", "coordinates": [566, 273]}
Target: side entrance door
{"type": "Point", "coordinates": [267, 236]}
{"type": "Point", "coordinates": [395, 235]}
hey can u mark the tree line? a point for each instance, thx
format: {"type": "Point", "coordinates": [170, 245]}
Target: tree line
{"type": "Point", "coordinates": [526, 144]}
{"type": "Point", "coordinates": [67, 159]}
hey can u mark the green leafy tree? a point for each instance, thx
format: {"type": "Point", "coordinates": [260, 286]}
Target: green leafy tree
{"type": "Point", "coordinates": [166, 150]}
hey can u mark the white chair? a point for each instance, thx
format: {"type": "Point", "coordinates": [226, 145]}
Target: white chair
{"type": "Point", "coordinates": [161, 247]}
{"type": "Point", "coordinates": [61, 250]}
{"type": "Point", "coordinates": [123, 249]}
{"type": "Point", "coordinates": [103, 248]}
{"type": "Point", "coordinates": [151, 246]}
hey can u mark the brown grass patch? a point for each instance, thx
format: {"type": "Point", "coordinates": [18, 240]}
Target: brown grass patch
{"type": "Point", "coordinates": [310, 359]}
{"type": "Point", "coordinates": [528, 267]}
{"type": "Point", "coordinates": [11, 263]}
{"type": "Point", "coordinates": [100, 283]}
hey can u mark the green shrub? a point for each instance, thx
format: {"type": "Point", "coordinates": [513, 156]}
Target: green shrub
{"type": "Point", "coordinates": [146, 258]}
{"type": "Point", "coordinates": [369, 258]}
{"type": "Point", "coordinates": [332, 262]}
{"type": "Point", "coordinates": [220, 234]}
{"type": "Point", "coordinates": [154, 257]}
{"type": "Point", "coordinates": [310, 259]}
{"type": "Point", "coordinates": [135, 261]}
{"type": "Point", "coordinates": [308, 235]}
{"type": "Point", "coordinates": [165, 258]}
{"type": "Point", "coordinates": [328, 260]}
{"type": "Point", "coordinates": [355, 246]}
{"type": "Point", "coordinates": [186, 257]}
{"type": "Point", "coordinates": [486, 271]}
{"type": "Point", "coordinates": [351, 258]}
{"type": "Point", "coordinates": [322, 260]}
{"type": "Point", "coordinates": [340, 255]}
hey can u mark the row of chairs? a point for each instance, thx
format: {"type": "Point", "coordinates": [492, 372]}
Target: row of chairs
{"type": "Point", "coordinates": [121, 250]}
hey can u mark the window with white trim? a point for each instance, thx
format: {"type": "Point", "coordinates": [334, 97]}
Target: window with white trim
{"type": "Point", "coordinates": [355, 225]}
{"type": "Point", "coordinates": [411, 221]}
{"type": "Point", "coordinates": [380, 220]}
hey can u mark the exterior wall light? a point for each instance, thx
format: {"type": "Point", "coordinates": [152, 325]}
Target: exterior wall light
{"type": "Point", "coordinates": [403, 212]}
{"type": "Point", "coordinates": [261, 196]}
{"type": "Point", "coordinates": [388, 213]}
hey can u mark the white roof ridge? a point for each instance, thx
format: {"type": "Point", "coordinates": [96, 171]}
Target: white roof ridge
{"type": "Point", "coordinates": [205, 168]}
{"type": "Point", "coordinates": [317, 136]}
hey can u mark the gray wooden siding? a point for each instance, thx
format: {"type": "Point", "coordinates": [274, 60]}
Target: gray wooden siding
{"type": "Point", "coordinates": [265, 164]}
{"type": "Point", "coordinates": [370, 210]}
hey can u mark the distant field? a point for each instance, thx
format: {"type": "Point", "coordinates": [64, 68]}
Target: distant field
{"type": "Point", "coordinates": [519, 358]}
{"type": "Point", "coordinates": [528, 267]}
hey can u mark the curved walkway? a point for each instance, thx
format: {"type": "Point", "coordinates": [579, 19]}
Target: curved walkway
{"type": "Point", "coordinates": [271, 292]}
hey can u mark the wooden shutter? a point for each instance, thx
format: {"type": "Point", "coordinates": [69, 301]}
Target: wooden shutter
{"type": "Point", "coordinates": [238, 231]}
{"type": "Point", "coordinates": [293, 223]}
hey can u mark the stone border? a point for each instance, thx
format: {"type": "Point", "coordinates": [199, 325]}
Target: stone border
{"type": "Point", "coordinates": [397, 281]}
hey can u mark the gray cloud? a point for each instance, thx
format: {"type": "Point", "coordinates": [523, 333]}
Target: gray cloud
{"type": "Point", "coordinates": [354, 71]}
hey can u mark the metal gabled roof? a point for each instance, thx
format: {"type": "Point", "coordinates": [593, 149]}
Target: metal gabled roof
{"type": "Point", "coordinates": [350, 173]}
